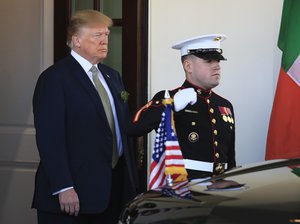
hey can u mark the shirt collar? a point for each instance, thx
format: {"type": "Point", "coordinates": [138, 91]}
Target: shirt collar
{"type": "Point", "coordinates": [85, 64]}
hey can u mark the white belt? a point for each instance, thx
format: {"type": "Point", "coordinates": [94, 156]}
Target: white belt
{"type": "Point", "coordinates": [200, 165]}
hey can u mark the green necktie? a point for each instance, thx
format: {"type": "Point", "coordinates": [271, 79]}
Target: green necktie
{"type": "Point", "coordinates": [108, 111]}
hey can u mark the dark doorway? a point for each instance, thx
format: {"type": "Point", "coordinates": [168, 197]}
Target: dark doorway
{"type": "Point", "coordinates": [134, 25]}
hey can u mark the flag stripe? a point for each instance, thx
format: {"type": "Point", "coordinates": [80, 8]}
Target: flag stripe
{"type": "Point", "coordinates": [288, 41]}
{"type": "Point", "coordinates": [178, 157]}
{"type": "Point", "coordinates": [175, 162]}
{"type": "Point", "coordinates": [294, 71]}
{"type": "Point", "coordinates": [157, 174]}
{"type": "Point", "coordinates": [172, 143]}
{"type": "Point", "coordinates": [283, 135]}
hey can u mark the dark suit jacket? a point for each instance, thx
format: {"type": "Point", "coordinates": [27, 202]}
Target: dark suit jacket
{"type": "Point", "coordinates": [74, 139]}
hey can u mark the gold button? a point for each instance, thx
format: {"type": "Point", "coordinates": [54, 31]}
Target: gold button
{"type": "Point", "coordinates": [217, 155]}
{"type": "Point", "coordinates": [213, 121]}
{"type": "Point", "coordinates": [157, 102]}
{"type": "Point", "coordinates": [216, 143]}
{"type": "Point", "coordinates": [215, 132]}
{"type": "Point", "coordinates": [199, 91]}
{"type": "Point", "coordinates": [193, 123]}
{"type": "Point", "coordinates": [207, 101]}
{"type": "Point", "coordinates": [211, 110]}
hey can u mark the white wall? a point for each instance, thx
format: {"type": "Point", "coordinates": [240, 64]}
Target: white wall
{"type": "Point", "coordinates": [26, 49]}
{"type": "Point", "coordinates": [249, 75]}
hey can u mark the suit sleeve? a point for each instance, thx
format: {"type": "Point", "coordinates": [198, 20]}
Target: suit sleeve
{"type": "Point", "coordinates": [49, 120]}
{"type": "Point", "coordinates": [147, 118]}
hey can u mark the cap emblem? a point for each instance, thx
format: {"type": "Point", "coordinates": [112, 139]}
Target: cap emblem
{"type": "Point", "coordinates": [218, 38]}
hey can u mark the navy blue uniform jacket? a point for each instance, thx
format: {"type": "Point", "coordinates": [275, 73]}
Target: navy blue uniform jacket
{"type": "Point", "coordinates": [205, 130]}
{"type": "Point", "coordinates": [74, 139]}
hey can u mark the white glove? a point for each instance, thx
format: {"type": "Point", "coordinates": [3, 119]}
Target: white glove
{"type": "Point", "coordinates": [184, 97]}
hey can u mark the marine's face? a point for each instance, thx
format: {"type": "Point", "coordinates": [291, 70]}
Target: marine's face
{"type": "Point", "coordinates": [92, 43]}
{"type": "Point", "coordinates": [203, 73]}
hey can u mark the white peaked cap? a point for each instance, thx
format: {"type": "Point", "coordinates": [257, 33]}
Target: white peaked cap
{"type": "Point", "coordinates": [210, 41]}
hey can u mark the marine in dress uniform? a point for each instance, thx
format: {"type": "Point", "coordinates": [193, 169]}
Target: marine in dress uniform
{"type": "Point", "coordinates": [204, 121]}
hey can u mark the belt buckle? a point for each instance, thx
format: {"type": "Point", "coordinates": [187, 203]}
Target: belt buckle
{"type": "Point", "coordinates": [219, 168]}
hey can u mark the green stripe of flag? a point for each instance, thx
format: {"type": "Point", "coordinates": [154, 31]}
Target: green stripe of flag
{"type": "Point", "coordinates": [289, 36]}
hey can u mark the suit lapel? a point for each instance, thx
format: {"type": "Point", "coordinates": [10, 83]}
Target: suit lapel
{"type": "Point", "coordinates": [82, 77]}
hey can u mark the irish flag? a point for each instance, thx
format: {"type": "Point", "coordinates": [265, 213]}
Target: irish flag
{"type": "Point", "coordinates": [283, 139]}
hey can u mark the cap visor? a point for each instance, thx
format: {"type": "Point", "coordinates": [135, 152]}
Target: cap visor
{"type": "Point", "coordinates": [210, 56]}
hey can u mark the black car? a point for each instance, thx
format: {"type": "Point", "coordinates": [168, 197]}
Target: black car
{"type": "Point", "coordinates": [268, 192]}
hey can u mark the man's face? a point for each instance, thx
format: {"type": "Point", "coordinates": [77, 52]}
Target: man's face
{"type": "Point", "coordinates": [203, 73]}
{"type": "Point", "coordinates": [92, 43]}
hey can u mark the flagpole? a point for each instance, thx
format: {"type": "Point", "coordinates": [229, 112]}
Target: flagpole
{"type": "Point", "coordinates": [169, 179]}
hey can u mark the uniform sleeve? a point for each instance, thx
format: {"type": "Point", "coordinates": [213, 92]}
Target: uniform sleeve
{"type": "Point", "coordinates": [146, 118]}
{"type": "Point", "coordinates": [231, 152]}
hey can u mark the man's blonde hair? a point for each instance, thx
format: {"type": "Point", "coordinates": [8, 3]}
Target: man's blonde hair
{"type": "Point", "coordinates": [86, 18]}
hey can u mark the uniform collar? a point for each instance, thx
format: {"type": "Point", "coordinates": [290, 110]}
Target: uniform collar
{"type": "Point", "coordinates": [200, 91]}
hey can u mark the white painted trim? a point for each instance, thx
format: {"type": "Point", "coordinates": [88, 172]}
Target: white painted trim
{"type": "Point", "coordinates": [47, 35]}
{"type": "Point", "coordinates": [18, 130]}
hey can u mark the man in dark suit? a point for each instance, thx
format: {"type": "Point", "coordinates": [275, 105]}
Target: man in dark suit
{"type": "Point", "coordinates": [86, 171]}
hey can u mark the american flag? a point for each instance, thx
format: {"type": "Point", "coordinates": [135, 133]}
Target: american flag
{"type": "Point", "coordinates": [167, 161]}
{"type": "Point", "coordinates": [177, 190]}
